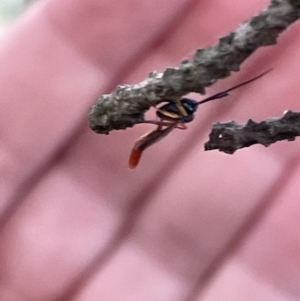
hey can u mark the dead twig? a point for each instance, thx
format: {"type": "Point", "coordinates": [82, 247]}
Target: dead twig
{"type": "Point", "coordinates": [126, 105]}
{"type": "Point", "coordinates": [229, 137]}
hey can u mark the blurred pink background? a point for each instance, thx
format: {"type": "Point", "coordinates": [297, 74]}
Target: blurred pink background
{"type": "Point", "coordinates": [77, 224]}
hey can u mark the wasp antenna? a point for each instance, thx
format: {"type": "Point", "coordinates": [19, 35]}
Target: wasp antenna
{"type": "Point", "coordinates": [226, 92]}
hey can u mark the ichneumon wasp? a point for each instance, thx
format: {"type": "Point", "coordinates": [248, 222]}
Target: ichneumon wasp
{"type": "Point", "coordinates": [174, 114]}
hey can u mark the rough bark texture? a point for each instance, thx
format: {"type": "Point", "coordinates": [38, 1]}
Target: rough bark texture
{"type": "Point", "coordinates": [126, 105]}
{"type": "Point", "coordinates": [229, 137]}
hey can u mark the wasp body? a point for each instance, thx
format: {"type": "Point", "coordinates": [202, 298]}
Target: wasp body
{"type": "Point", "coordinates": [174, 114]}
{"type": "Point", "coordinates": [146, 141]}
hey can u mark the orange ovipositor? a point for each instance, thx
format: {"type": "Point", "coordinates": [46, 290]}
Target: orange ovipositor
{"type": "Point", "coordinates": [134, 158]}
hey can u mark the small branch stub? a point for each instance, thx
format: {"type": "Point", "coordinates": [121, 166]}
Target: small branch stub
{"type": "Point", "coordinates": [229, 137]}
{"type": "Point", "coordinates": [126, 105]}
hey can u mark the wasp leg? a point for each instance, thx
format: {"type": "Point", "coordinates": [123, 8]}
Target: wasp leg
{"type": "Point", "coordinates": [161, 123]}
{"type": "Point", "coordinates": [157, 122]}
{"type": "Point", "coordinates": [181, 126]}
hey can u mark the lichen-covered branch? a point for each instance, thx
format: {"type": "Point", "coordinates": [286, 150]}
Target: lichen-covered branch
{"type": "Point", "coordinates": [229, 137]}
{"type": "Point", "coordinates": [126, 105]}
